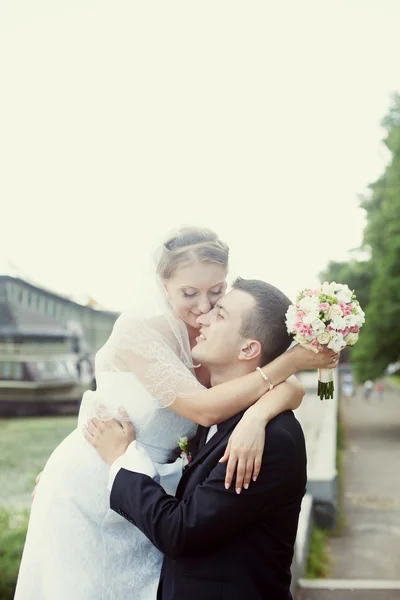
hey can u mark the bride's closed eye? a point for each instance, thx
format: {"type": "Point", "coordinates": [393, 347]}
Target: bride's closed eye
{"type": "Point", "coordinates": [186, 295]}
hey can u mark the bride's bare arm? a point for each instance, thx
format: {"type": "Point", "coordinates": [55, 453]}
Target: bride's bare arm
{"type": "Point", "coordinates": [144, 350]}
{"type": "Point", "coordinates": [225, 400]}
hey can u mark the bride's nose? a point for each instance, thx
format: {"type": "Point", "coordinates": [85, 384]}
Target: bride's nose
{"type": "Point", "coordinates": [204, 306]}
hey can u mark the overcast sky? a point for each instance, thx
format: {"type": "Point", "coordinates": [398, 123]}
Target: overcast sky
{"type": "Point", "coordinates": [121, 120]}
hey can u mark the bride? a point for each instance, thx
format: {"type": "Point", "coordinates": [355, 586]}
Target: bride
{"type": "Point", "coordinates": [76, 547]}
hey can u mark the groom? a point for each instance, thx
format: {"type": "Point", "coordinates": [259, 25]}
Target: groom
{"type": "Point", "coordinates": [218, 544]}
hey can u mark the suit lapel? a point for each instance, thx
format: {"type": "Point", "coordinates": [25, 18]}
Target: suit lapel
{"type": "Point", "coordinates": [197, 443]}
{"type": "Point", "coordinates": [223, 430]}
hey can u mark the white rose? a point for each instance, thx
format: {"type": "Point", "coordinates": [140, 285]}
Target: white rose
{"type": "Point", "coordinates": [355, 320]}
{"type": "Point", "coordinates": [335, 311]}
{"type": "Point", "coordinates": [351, 339]}
{"type": "Point", "coordinates": [309, 304]}
{"type": "Point", "coordinates": [344, 294]}
{"type": "Point", "coordinates": [351, 320]}
{"type": "Point", "coordinates": [338, 322]}
{"type": "Point", "coordinates": [318, 326]}
{"type": "Point", "coordinates": [324, 338]}
{"type": "Point", "coordinates": [328, 289]}
{"type": "Point", "coordinates": [291, 318]}
{"type": "Point", "coordinates": [310, 317]}
{"type": "Point", "coordinates": [337, 342]}
{"type": "Point", "coordinates": [300, 339]}
{"type": "Point", "coordinates": [361, 316]}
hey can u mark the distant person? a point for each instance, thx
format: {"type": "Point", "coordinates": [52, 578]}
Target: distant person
{"type": "Point", "coordinates": [368, 388]}
{"type": "Point", "coordinates": [348, 386]}
{"type": "Point", "coordinates": [380, 388]}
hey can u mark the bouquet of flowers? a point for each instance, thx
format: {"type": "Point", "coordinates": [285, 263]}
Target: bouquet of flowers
{"type": "Point", "coordinates": [329, 316]}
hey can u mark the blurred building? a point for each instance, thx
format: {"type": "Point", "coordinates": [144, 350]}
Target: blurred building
{"type": "Point", "coordinates": [47, 347]}
{"type": "Point", "coordinates": [27, 307]}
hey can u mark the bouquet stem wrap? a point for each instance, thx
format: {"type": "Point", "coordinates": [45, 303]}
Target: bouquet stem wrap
{"type": "Point", "coordinates": [325, 384]}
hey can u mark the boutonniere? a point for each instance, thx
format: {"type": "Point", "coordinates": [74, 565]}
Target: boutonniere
{"type": "Point", "coordinates": [186, 456]}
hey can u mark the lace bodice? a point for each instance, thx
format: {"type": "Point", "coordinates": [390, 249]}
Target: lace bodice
{"type": "Point", "coordinates": [158, 429]}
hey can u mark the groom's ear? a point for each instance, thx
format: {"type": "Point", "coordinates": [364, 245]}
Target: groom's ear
{"type": "Point", "coordinates": [250, 350]}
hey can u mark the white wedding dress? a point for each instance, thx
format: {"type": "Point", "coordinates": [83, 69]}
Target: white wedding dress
{"type": "Point", "coordinates": [77, 548]}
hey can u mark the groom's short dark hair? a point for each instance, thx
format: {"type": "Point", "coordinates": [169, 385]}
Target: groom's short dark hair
{"type": "Point", "coordinates": [265, 322]}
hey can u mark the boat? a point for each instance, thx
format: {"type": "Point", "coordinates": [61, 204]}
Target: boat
{"type": "Point", "coordinates": [47, 348]}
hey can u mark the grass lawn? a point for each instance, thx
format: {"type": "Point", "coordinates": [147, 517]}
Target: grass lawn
{"type": "Point", "coordinates": [25, 445]}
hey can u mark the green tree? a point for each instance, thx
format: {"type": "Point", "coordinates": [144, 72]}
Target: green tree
{"type": "Point", "coordinates": [380, 341]}
{"type": "Point", "coordinates": [377, 281]}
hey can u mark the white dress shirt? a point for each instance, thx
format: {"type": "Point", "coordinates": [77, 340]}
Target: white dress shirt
{"type": "Point", "coordinates": [213, 431]}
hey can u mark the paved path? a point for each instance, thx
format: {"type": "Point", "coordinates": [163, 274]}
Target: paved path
{"type": "Point", "coordinates": [370, 545]}
{"type": "Point", "coordinates": [348, 594]}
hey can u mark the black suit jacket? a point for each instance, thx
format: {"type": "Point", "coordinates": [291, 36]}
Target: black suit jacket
{"type": "Point", "coordinates": [219, 545]}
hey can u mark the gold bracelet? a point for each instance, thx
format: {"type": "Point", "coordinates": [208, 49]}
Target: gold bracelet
{"type": "Point", "coordinates": [263, 375]}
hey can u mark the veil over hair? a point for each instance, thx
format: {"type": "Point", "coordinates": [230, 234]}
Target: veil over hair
{"type": "Point", "coordinates": [150, 343]}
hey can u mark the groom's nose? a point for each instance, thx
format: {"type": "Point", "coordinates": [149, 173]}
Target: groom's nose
{"type": "Point", "coordinates": [202, 320]}
{"type": "Point", "coordinates": [205, 319]}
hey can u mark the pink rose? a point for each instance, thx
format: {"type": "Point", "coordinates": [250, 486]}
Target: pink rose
{"type": "Point", "coordinates": [325, 306]}
{"type": "Point", "coordinates": [315, 345]}
{"type": "Point", "coordinates": [355, 329]}
{"type": "Point", "coordinates": [346, 309]}
{"type": "Point", "coordinates": [305, 330]}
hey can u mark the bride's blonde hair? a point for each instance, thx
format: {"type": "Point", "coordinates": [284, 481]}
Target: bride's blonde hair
{"type": "Point", "coordinates": [191, 245]}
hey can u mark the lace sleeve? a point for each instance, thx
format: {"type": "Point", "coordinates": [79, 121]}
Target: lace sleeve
{"type": "Point", "coordinates": [154, 352]}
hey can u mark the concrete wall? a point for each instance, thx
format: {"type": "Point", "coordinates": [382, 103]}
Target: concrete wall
{"type": "Point", "coordinates": [319, 421]}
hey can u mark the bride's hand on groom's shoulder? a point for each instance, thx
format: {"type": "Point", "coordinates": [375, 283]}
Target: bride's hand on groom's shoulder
{"type": "Point", "coordinates": [110, 438]}
{"type": "Point", "coordinates": [244, 451]}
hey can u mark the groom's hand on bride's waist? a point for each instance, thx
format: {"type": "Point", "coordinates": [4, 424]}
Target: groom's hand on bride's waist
{"type": "Point", "coordinates": [110, 438]}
